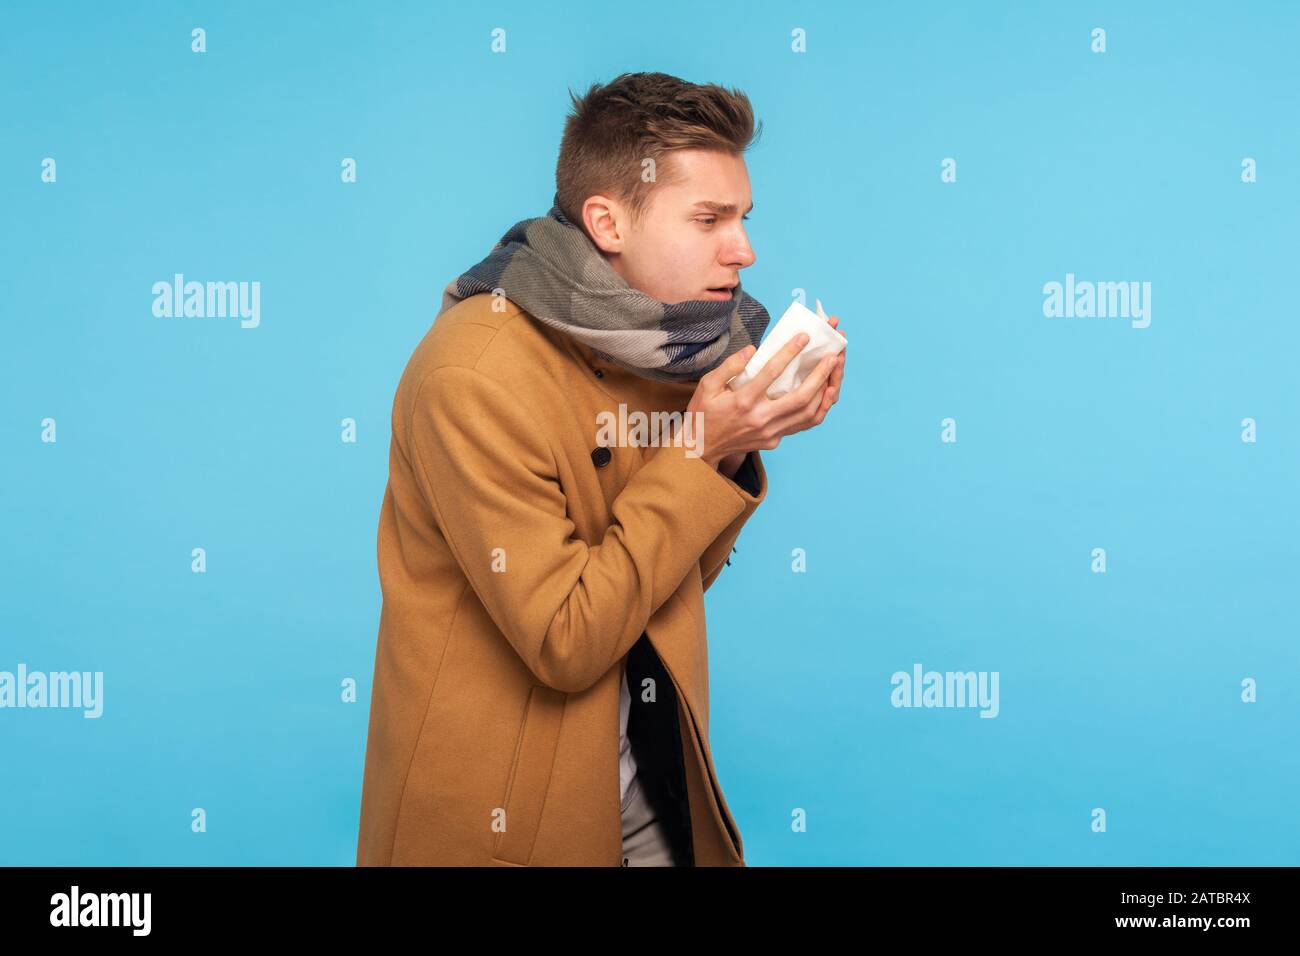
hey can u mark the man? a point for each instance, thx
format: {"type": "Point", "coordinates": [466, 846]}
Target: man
{"type": "Point", "coordinates": [539, 573]}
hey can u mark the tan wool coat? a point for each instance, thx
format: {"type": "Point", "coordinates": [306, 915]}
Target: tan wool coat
{"type": "Point", "coordinates": [517, 569]}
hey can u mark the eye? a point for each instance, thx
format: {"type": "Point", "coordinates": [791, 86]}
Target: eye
{"type": "Point", "coordinates": [711, 219]}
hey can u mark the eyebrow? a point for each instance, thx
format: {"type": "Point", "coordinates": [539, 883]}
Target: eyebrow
{"type": "Point", "coordinates": [722, 207]}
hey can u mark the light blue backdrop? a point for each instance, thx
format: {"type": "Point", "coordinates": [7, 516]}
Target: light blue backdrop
{"type": "Point", "coordinates": [1120, 691]}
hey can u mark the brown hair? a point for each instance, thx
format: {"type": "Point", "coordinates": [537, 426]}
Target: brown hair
{"type": "Point", "coordinates": [616, 126]}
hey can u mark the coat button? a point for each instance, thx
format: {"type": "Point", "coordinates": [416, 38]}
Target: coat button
{"type": "Point", "coordinates": [599, 373]}
{"type": "Point", "coordinates": [601, 456]}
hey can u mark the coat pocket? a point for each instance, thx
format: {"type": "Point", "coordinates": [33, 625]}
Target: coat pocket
{"type": "Point", "coordinates": [530, 775]}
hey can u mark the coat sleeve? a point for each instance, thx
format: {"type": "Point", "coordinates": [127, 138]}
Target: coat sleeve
{"type": "Point", "coordinates": [569, 609]}
{"type": "Point", "coordinates": [751, 479]}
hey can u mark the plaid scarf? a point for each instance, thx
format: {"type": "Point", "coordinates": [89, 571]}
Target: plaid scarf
{"type": "Point", "coordinates": [552, 270]}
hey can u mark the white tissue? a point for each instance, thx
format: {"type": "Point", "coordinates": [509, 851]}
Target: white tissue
{"type": "Point", "coordinates": [823, 340]}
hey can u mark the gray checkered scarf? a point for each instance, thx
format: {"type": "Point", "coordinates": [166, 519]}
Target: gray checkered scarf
{"type": "Point", "coordinates": [552, 270]}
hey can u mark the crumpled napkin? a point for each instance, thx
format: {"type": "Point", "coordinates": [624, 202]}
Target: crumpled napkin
{"type": "Point", "coordinates": [822, 341]}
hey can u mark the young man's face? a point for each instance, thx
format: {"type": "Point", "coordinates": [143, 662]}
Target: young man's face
{"type": "Point", "coordinates": [691, 236]}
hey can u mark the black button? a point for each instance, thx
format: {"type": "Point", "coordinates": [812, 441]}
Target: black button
{"type": "Point", "coordinates": [599, 373]}
{"type": "Point", "coordinates": [601, 456]}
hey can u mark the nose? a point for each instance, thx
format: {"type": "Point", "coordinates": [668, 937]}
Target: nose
{"type": "Point", "coordinates": [739, 253]}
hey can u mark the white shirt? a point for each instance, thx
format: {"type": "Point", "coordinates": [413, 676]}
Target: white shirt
{"type": "Point", "coordinates": [626, 764]}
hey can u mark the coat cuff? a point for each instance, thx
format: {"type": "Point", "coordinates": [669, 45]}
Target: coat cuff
{"type": "Point", "coordinates": [719, 552]}
{"type": "Point", "coordinates": [746, 476]}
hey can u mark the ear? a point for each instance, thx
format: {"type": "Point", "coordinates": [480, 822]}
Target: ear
{"type": "Point", "coordinates": [603, 218]}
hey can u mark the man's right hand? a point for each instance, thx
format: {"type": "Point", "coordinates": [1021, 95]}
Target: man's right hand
{"type": "Point", "coordinates": [744, 419]}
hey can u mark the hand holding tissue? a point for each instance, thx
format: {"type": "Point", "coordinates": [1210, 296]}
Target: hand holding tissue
{"type": "Point", "coordinates": [823, 340]}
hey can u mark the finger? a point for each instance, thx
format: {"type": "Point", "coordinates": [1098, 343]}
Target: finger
{"type": "Point", "coordinates": [815, 411]}
{"type": "Point", "coordinates": [802, 418]}
{"type": "Point", "coordinates": [830, 395]}
{"type": "Point", "coordinates": [844, 335]}
{"type": "Point", "coordinates": [776, 364]}
{"type": "Point", "coordinates": [735, 364]}
{"type": "Point", "coordinates": [837, 375]}
{"type": "Point", "coordinates": [793, 401]}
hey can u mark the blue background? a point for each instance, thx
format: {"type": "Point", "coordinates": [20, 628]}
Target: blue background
{"type": "Point", "coordinates": [1118, 690]}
